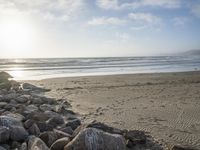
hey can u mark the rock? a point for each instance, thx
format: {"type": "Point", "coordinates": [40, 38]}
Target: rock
{"type": "Point", "coordinates": [9, 121]}
{"type": "Point", "coordinates": [34, 130]}
{"type": "Point", "coordinates": [55, 121]}
{"type": "Point", "coordinates": [4, 134]}
{"type": "Point", "coordinates": [31, 108]}
{"type": "Point", "coordinates": [67, 130]}
{"type": "Point", "coordinates": [18, 133]}
{"type": "Point", "coordinates": [57, 108]}
{"type": "Point", "coordinates": [5, 146]}
{"type": "Point", "coordinates": [24, 146]}
{"type": "Point", "coordinates": [10, 106]}
{"type": "Point", "coordinates": [35, 143]}
{"type": "Point", "coordinates": [50, 137]}
{"type": "Point", "coordinates": [28, 123]}
{"type": "Point", "coordinates": [94, 139]}
{"type": "Point", "coordinates": [11, 96]}
{"type": "Point", "coordinates": [60, 143]}
{"type": "Point", "coordinates": [179, 147]}
{"type": "Point", "coordinates": [43, 126]}
{"type": "Point", "coordinates": [17, 116]}
{"type": "Point", "coordinates": [4, 76]}
{"type": "Point", "coordinates": [15, 145]}
{"type": "Point", "coordinates": [73, 123]}
{"type": "Point", "coordinates": [2, 104]}
{"type": "Point", "coordinates": [31, 87]}
{"type": "Point", "coordinates": [135, 137]}
{"type": "Point", "coordinates": [2, 148]}
{"type": "Point", "coordinates": [36, 101]}
{"type": "Point", "coordinates": [46, 107]}
{"type": "Point", "coordinates": [105, 128]}
{"type": "Point", "coordinates": [23, 98]}
{"type": "Point", "coordinates": [12, 101]}
{"type": "Point", "coordinates": [38, 116]}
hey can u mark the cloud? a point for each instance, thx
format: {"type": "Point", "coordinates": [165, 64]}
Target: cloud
{"type": "Point", "coordinates": [180, 21]}
{"type": "Point", "coordinates": [144, 17]}
{"type": "Point", "coordinates": [48, 9]}
{"type": "Point", "coordinates": [116, 5]}
{"type": "Point", "coordinates": [106, 21]}
{"type": "Point", "coordinates": [162, 3]}
{"type": "Point", "coordinates": [196, 10]}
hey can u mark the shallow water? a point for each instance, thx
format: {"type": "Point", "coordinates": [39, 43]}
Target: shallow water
{"type": "Point", "coordinates": [35, 69]}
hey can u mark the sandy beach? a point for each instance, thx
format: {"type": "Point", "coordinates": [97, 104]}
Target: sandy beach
{"type": "Point", "coordinates": [165, 104]}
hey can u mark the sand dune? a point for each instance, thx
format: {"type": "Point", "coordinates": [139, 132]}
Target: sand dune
{"type": "Point", "coordinates": [166, 105]}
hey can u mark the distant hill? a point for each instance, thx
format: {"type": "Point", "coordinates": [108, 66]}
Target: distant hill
{"type": "Point", "coordinates": [192, 52]}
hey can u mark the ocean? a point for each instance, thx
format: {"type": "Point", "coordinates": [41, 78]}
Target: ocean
{"type": "Point", "coordinates": [41, 68]}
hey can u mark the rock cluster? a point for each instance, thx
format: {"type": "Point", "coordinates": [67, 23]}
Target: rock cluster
{"type": "Point", "coordinates": [31, 121]}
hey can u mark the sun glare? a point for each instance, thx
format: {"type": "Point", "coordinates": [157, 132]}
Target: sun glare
{"type": "Point", "coordinates": [16, 36]}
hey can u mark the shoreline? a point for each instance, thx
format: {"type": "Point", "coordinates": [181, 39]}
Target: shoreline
{"type": "Point", "coordinates": [114, 74]}
{"type": "Point", "coordinates": [164, 104]}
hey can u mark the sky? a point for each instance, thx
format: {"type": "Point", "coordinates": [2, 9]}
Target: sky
{"type": "Point", "coordinates": [97, 28]}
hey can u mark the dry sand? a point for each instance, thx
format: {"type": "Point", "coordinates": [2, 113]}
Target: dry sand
{"type": "Point", "coordinates": [167, 105]}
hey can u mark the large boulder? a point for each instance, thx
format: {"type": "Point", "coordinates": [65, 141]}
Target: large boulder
{"type": "Point", "coordinates": [18, 133]}
{"type": "Point", "coordinates": [8, 121]}
{"type": "Point", "coordinates": [35, 143]}
{"type": "Point", "coordinates": [27, 86]}
{"type": "Point", "coordinates": [4, 76]}
{"type": "Point", "coordinates": [94, 139]}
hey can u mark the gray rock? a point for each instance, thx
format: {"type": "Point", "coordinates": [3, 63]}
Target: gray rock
{"type": "Point", "coordinates": [35, 143]}
{"type": "Point", "coordinates": [135, 137]}
{"type": "Point", "coordinates": [182, 147]}
{"type": "Point", "coordinates": [15, 145]}
{"type": "Point", "coordinates": [17, 116]}
{"type": "Point", "coordinates": [67, 130]}
{"type": "Point", "coordinates": [28, 123]}
{"type": "Point", "coordinates": [11, 96]}
{"type": "Point", "coordinates": [23, 98]}
{"type": "Point", "coordinates": [43, 126]}
{"type": "Point", "coordinates": [50, 137]}
{"type": "Point", "coordinates": [73, 123]}
{"type": "Point", "coordinates": [94, 139]}
{"type": "Point", "coordinates": [18, 133]}
{"type": "Point", "coordinates": [5, 146]}
{"type": "Point", "coordinates": [7, 121]}
{"type": "Point", "coordinates": [37, 101]}
{"type": "Point", "coordinates": [2, 148]}
{"type": "Point", "coordinates": [4, 75]}
{"type": "Point", "coordinates": [2, 104]}
{"type": "Point", "coordinates": [60, 143]}
{"type": "Point", "coordinates": [46, 107]}
{"type": "Point", "coordinates": [12, 101]}
{"type": "Point", "coordinates": [24, 146]}
{"type": "Point", "coordinates": [31, 108]}
{"type": "Point", "coordinates": [34, 130]}
{"type": "Point", "coordinates": [55, 121]}
{"type": "Point", "coordinates": [4, 134]}
{"type": "Point", "coordinates": [105, 128]}
{"type": "Point", "coordinates": [31, 87]}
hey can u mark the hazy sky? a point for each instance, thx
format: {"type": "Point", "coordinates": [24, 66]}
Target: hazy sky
{"type": "Point", "coordinates": [85, 28]}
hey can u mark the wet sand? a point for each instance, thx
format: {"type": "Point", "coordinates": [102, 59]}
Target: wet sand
{"type": "Point", "coordinates": [165, 104]}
